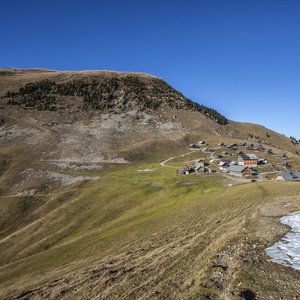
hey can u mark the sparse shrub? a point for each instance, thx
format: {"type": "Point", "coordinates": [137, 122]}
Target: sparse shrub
{"type": "Point", "coordinates": [104, 95]}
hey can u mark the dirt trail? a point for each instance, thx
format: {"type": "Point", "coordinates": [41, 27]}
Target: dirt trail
{"type": "Point", "coordinates": [163, 163]}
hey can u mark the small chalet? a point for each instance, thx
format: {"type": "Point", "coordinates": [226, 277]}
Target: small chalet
{"type": "Point", "coordinates": [194, 147]}
{"type": "Point", "coordinates": [224, 164]}
{"type": "Point", "coordinates": [206, 149]}
{"type": "Point", "coordinates": [239, 170]}
{"type": "Point", "coordinates": [281, 155]}
{"type": "Point", "coordinates": [200, 163]}
{"type": "Point", "coordinates": [183, 171]}
{"type": "Point", "coordinates": [201, 169]}
{"type": "Point", "coordinates": [214, 161]}
{"type": "Point", "coordinates": [239, 153]}
{"type": "Point", "coordinates": [288, 176]}
{"type": "Point", "coordinates": [249, 160]}
{"type": "Point", "coordinates": [231, 146]}
{"type": "Point", "coordinates": [262, 161]}
{"type": "Point", "coordinates": [225, 153]}
{"type": "Point", "coordinates": [227, 162]}
{"type": "Point", "coordinates": [257, 147]}
{"type": "Point", "coordinates": [248, 146]}
{"type": "Point", "coordinates": [284, 164]}
{"type": "Point", "coordinates": [201, 143]}
{"type": "Point", "coordinates": [214, 155]}
{"type": "Point", "coordinates": [268, 151]}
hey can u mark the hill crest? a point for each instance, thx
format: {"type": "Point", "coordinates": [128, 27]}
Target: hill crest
{"type": "Point", "coordinates": [100, 90]}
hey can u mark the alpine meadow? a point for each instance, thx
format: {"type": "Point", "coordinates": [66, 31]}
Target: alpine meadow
{"type": "Point", "coordinates": [114, 185]}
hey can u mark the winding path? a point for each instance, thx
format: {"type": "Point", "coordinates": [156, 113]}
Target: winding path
{"type": "Point", "coordinates": [170, 158]}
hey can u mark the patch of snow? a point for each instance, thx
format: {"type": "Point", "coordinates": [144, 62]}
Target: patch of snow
{"type": "Point", "coordinates": [287, 250]}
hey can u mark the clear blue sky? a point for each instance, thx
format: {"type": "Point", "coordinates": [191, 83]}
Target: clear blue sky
{"type": "Point", "coordinates": [240, 57]}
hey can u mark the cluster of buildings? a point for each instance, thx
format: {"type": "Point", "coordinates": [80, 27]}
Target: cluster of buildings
{"type": "Point", "coordinates": [234, 146]}
{"type": "Point", "coordinates": [243, 165]}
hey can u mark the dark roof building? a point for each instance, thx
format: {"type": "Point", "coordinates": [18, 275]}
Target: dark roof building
{"type": "Point", "coordinates": [281, 155]}
{"type": "Point", "coordinates": [258, 147]}
{"type": "Point", "coordinates": [183, 171]}
{"type": "Point", "coordinates": [284, 164]}
{"type": "Point", "coordinates": [288, 176]}
{"type": "Point", "coordinates": [239, 170]}
{"type": "Point", "coordinates": [231, 146]}
{"type": "Point", "coordinates": [268, 151]}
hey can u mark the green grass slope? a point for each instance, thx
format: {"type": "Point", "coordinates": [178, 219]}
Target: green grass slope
{"type": "Point", "coordinates": [169, 228]}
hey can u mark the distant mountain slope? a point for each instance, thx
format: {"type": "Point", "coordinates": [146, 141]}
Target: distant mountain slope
{"type": "Point", "coordinates": [100, 90]}
{"type": "Point", "coordinates": [111, 111]}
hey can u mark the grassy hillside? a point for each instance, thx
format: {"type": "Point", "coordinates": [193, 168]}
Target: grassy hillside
{"type": "Point", "coordinates": [92, 207]}
{"type": "Point", "coordinates": [266, 136]}
{"type": "Point", "coordinates": [136, 223]}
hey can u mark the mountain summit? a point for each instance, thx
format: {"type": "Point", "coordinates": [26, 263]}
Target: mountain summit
{"type": "Point", "coordinates": [103, 91]}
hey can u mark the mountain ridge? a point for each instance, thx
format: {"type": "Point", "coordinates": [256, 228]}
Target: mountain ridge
{"type": "Point", "coordinates": [100, 90]}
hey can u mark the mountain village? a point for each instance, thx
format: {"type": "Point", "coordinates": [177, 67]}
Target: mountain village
{"type": "Point", "coordinates": [239, 160]}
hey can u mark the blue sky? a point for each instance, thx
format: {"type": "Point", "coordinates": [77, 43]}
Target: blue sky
{"type": "Point", "coordinates": [240, 57]}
